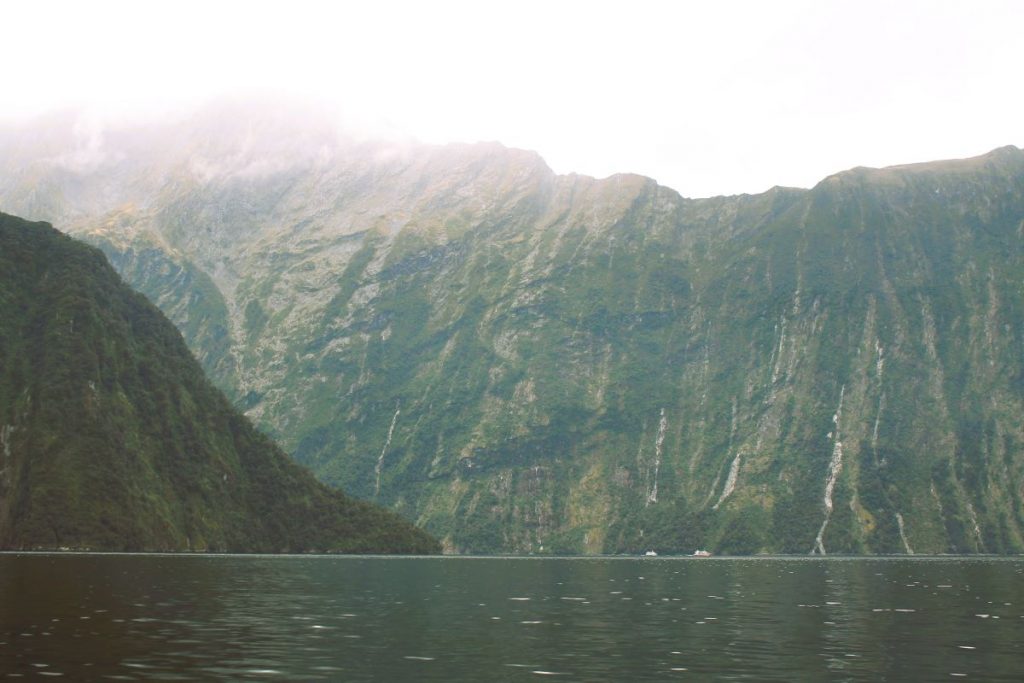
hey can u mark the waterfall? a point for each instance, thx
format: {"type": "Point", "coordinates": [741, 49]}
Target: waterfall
{"type": "Point", "coordinates": [383, 451]}
{"type": "Point", "coordinates": [835, 466]}
{"type": "Point", "coordinates": [652, 497]}
{"type": "Point", "coordinates": [730, 481]}
{"type": "Point", "coordinates": [903, 534]}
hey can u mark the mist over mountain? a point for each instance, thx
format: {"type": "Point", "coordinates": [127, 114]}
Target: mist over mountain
{"type": "Point", "coordinates": [528, 362]}
{"type": "Point", "coordinates": [111, 438]}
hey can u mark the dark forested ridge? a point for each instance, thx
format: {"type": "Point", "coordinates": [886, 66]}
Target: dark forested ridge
{"type": "Point", "coordinates": [111, 438]}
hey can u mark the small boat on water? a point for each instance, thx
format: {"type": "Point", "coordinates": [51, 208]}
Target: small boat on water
{"type": "Point", "coordinates": [701, 553]}
{"type": "Point", "coordinates": [650, 553]}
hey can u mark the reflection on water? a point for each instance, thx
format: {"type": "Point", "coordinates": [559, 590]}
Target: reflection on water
{"type": "Point", "coordinates": [123, 617]}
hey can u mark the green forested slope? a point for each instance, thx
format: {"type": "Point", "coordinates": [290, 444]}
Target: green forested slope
{"type": "Point", "coordinates": [112, 438]}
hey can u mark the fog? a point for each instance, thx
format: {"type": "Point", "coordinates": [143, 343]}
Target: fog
{"type": "Point", "coordinates": [707, 98]}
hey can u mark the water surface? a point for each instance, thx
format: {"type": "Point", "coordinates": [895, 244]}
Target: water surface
{"type": "Point", "coordinates": [181, 617]}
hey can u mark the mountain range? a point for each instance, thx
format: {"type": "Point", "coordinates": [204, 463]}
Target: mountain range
{"type": "Point", "coordinates": [522, 361]}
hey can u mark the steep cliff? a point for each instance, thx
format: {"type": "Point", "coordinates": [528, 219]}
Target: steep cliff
{"type": "Point", "coordinates": [528, 362]}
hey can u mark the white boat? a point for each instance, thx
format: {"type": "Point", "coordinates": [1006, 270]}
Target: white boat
{"type": "Point", "coordinates": [650, 553]}
{"type": "Point", "coordinates": [701, 553]}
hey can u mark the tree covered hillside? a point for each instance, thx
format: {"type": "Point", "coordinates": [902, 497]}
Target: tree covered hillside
{"type": "Point", "coordinates": [111, 438]}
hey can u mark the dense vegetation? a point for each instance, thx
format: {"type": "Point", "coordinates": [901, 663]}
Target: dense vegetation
{"type": "Point", "coordinates": [528, 362]}
{"type": "Point", "coordinates": [113, 439]}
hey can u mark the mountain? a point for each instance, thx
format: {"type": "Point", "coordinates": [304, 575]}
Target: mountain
{"type": "Point", "coordinates": [529, 362]}
{"type": "Point", "coordinates": [111, 437]}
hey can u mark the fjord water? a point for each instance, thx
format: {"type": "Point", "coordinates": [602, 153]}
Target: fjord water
{"type": "Point", "coordinates": [180, 617]}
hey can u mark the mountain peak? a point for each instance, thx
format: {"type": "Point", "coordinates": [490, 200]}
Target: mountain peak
{"type": "Point", "coordinates": [1006, 160]}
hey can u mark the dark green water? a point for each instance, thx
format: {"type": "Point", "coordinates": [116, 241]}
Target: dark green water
{"type": "Point", "coordinates": [123, 617]}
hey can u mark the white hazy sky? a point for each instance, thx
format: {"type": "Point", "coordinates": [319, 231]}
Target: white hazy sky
{"type": "Point", "coordinates": [706, 97]}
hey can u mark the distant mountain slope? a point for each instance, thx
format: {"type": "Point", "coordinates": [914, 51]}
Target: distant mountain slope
{"type": "Point", "coordinates": [111, 438]}
{"type": "Point", "coordinates": [529, 362]}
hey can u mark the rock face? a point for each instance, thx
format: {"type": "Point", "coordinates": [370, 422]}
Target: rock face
{"type": "Point", "coordinates": [537, 363]}
{"type": "Point", "coordinates": [111, 438]}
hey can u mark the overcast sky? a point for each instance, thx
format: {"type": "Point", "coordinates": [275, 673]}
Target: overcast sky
{"type": "Point", "coordinates": [706, 97]}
